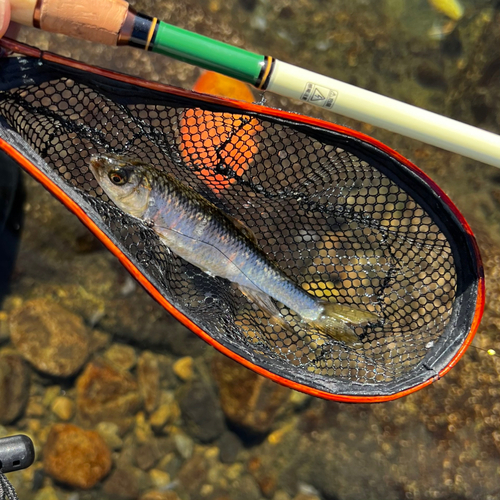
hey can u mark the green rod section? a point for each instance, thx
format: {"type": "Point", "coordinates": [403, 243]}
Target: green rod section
{"type": "Point", "coordinates": [207, 53]}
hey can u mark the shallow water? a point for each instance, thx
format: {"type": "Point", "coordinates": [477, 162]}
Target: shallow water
{"type": "Point", "coordinates": [442, 442]}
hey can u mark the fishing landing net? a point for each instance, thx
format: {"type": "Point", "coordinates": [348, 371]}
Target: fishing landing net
{"type": "Point", "coordinates": [347, 220]}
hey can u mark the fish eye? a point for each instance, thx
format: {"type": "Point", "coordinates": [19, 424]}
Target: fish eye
{"type": "Point", "coordinates": [118, 176]}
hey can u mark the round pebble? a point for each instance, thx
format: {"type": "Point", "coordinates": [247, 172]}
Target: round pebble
{"type": "Point", "coordinates": [110, 432]}
{"type": "Point", "coordinates": [52, 339]}
{"type": "Point", "coordinates": [63, 408]}
{"type": "Point", "coordinates": [14, 387]}
{"type": "Point", "coordinates": [122, 356]}
{"type": "Point", "coordinates": [76, 457]}
{"type": "Point", "coordinates": [183, 368]}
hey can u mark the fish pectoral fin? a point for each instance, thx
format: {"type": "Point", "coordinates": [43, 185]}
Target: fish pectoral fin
{"type": "Point", "coordinates": [337, 320]}
{"type": "Point", "coordinates": [243, 228]}
{"type": "Point", "coordinates": [261, 299]}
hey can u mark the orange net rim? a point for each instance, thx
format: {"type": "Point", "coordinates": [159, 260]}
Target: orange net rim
{"type": "Point", "coordinates": [71, 205]}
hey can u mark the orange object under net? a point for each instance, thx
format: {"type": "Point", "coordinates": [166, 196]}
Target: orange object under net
{"type": "Point", "coordinates": [346, 220]}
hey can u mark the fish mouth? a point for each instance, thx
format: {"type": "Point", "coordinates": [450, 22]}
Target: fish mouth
{"type": "Point", "coordinates": [97, 166]}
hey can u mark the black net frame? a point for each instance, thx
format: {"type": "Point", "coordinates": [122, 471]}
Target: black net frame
{"type": "Point", "coordinates": [346, 219]}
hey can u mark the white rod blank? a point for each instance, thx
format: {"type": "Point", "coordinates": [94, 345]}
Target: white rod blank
{"type": "Point", "coordinates": [384, 112]}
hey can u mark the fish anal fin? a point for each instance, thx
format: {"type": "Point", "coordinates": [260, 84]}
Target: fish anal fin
{"type": "Point", "coordinates": [261, 299]}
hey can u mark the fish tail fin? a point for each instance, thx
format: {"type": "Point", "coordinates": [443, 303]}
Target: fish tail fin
{"type": "Point", "coordinates": [338, 320]}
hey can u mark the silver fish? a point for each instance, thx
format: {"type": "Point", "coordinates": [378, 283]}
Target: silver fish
{"type": "Point", "coordinates": [199, 232]}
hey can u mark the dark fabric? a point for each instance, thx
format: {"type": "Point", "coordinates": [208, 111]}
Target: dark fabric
{"type": "Point", "coordinates": [7, 491]}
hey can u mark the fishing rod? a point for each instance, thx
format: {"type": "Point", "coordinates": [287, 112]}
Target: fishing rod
{"type": "Point", "coordinates": [114, 22]}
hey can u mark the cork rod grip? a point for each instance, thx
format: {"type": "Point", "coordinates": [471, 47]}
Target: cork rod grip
{"type": "Point", "coordinates": [94, 20]}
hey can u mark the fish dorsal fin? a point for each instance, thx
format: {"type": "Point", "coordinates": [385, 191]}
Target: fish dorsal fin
{"type": "Point", "coordinates": [243, 228]}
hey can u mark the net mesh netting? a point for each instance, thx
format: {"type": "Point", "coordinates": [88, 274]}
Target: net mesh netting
{"type": "Point", "coordinates": [327, 210]}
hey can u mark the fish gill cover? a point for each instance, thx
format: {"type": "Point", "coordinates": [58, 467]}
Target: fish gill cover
{"type": "Point", "coordinates": [345, 220]}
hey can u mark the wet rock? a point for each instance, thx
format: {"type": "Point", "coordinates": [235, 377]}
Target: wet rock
{"type": "Point", "coordinates": [307, 492]}
{"type": "Point", "coordinates": [122, 356]}
{"type": "Point", "coordinates": [193, 475]}
{"type": "Point", "coordinates": [160, 479]}
{"type": "Point", "coordinates": [63, 408]}
{"type": "Point", "coordinates": [160, 495]}
{"type": "Point", "coordinates": [14, 387]}
{"type": "Point", "coordinates": [142, 430]}
{"type": "Point", "coordinates": [52, 339]}
{"type": "Point", "coordinates": [158, 329]}
{"type": "Point", "coordinates": [148, 378]}
{"type": "Point", "coordinates": [183, 368]}
{"type": "Point", "coordinates": [229, 446]}
{"type": "Point", "coordinates": [110, 432]}
{"type": "Point", "coordinates": [126, 483]}
{"type": "Point", "coordinates": [184, 445]}
{"type": "Point", "coordinates": [105, 393]}
{"type": "Point", "coordinates": [201, 412]}
{"type": "Point", "coordinates": [247, 488]}
{"type": "Point", "coordinates": [281, 495]}
{"type": "Point", "coordinates": [50, 394]}
{"type": "Point", "coordinates": [35, 408]}
{"type": "Point", "coordinates": [171, 463]}
{"type": "Point", "coordinates": [47, 493]}
{"type": "Point", "coordinates": [147, 455]}
{"type": "Point", "coordinates": [306, 496]}
{"type": "Point", "coordinates": [167, 413]}
{"type": "Point", "coordinates": [76, 457]}
{"type": "Point", "coordinates": [248, 400]}
{"type": "Point", "coordinates": [98, 341]}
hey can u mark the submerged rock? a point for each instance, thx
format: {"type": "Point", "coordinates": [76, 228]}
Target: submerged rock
{"type": "Point", "coordinates": [76, 457]}
{"type": "Point", "coordinates": [248, 400]}
{"type": "Point", "coordinates": [122, 356]}
{"type": "Point", "coordinates": [106, 394]}
{"type": "Point", "coordinates": [184, 368]}
{"type": "Point", "coordinates": [229, 446]}
{"type": "Point", "coordinates": [14, 387]}
{"type": "Point", "coordinates": [126, 483]}
{"type": "Point", "coordinates": [63, 408]}
{"type": "Point", "coordinates": [148, 378]}
{"type": "Point", "coordinates": [54, 340]}
{"type": "Point", "coordinates": [160, 495]}
{"type": "Point", "coordinates": [201, 412]}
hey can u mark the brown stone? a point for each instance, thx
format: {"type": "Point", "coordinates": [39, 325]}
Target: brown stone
{"type": "Point", "coordinates": [126, 483]}
{"type": "Point", "coordinates": [14, 387]}
{"type": "Point", "coordinates": [52, 339]}
{"type": "Point", "coordinates": [76, 457]}
{"type": "Point", "coordinates": [63, 408]}
{"type": "Point", "coordinates": [184, 368]}
{"type": "Point", "coordinates": [193, 474]}
{"type": "Point", "coordinates": [248, 400]}
{"type": "Point", "coordinates": [106, 394]}
{"type": "Point", "coordinates": [122, 356]}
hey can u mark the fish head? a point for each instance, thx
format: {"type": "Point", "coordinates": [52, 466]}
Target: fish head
{"type": "Point", "coordinates": [125, 181]}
